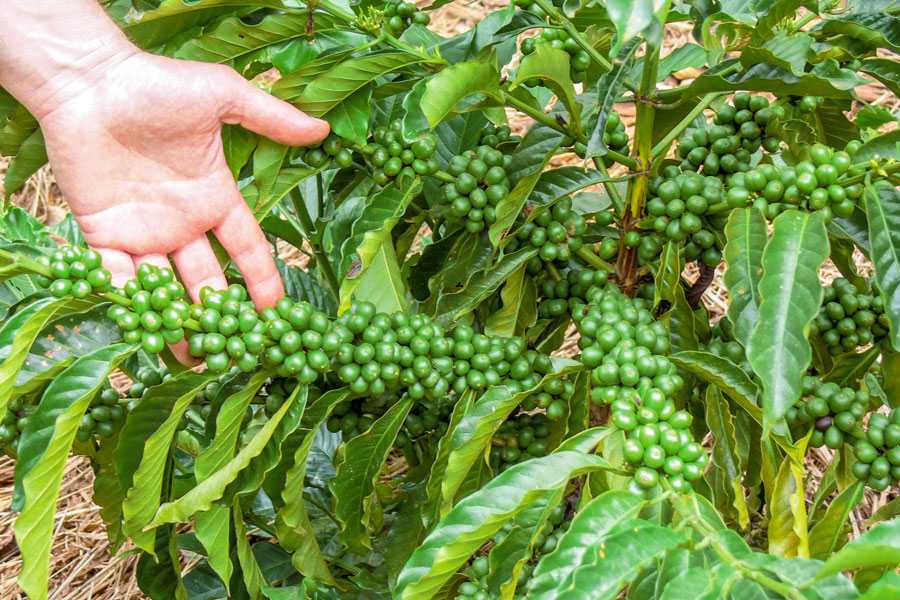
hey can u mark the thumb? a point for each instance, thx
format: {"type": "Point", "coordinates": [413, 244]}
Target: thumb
{"type": "Point", "coordinates": [265, 114]}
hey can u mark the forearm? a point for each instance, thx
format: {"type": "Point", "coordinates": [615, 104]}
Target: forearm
{"type": "Point", "coordinates": [52, 50]}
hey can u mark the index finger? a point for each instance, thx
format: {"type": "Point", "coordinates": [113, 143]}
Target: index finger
{"type": "Point", "coordinates": [245, 242]}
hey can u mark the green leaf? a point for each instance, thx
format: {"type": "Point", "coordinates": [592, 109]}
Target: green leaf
{"type": "Point", "coordinates": [875, 548]}
{"type": "Point", "coordinates": [329, 90]}
{"type": "Point", "coordinates": [510, 207]}
{"type": "Point", "coordinates": [354, 485]}
{"type": "Point", "coordinates": [142, 459]}
{"type": "Point", "coordinates": [723, 374]}
{"type": "Point", "coordinates": [454, 83]}
{"type": "Point", "coordinates": [479, 286]}
{"type": "Point", "coordinates": [300, 285]}
{"type": "Point", "coordinates": [467, 441]}
{"type": "Point", "coordinates": [43, 451]}
{"type": "Point", "coordinates": [787, 512]}
{"type": "Point", "coordinates": [253, 577]}
{"type": "Point", "coordinates": [883, 209]}
{"type": "Point", "coordinates": [159, 576]}
{"type": "Point", "coordinates": [884, 146]}
{"type": "Point", "coordinates": [292, 521]}
{"type": "Point", "coordinates": [609, 87]}
{"type": "Point", "coordinates": [725, 456]}
{"type": "Point", "coordinates": [370, 246]}
{"type": "Point", "coordinates": [245, 472]}
{"type": "Point", "coordinates": [550, 66]}
{"type": "Point", "coordinates": [832, 531]}
{"type": "Point", "coordinates": [31, 157]}
{"type": "Point", "coordinates": [632, 17]}
{"type": "Point", "coordinates": [604, 549]}
{"type": "Point", "coordinates": [505, 321]}
{"type": "Point", "coordinates": [789, 51]}
{"type": "Point", "coordinates": [478, 516]}
{"type": "Point", "coordinates": [350, 118]}
{"type": "Point", "coordinates": [791, 293]}
{"type": "Point", "coordinates": [746, 234]}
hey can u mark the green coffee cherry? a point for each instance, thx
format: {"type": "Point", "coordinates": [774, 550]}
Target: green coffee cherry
{"type": "Point", "coordinates": [850, 318]}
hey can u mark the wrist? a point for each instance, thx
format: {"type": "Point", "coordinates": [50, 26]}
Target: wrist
{"type": "Point", "coordinates": [45, 61]}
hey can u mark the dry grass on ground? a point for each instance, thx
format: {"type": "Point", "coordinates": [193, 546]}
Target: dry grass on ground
{"type": "Point", "coordinates": [82, 568]}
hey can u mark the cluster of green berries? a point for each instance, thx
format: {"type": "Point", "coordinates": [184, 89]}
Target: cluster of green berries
{"type": "Point", "coordinates": [624, 347]}
{"type": "Point", "coordinates": [614, 136]}
{"type": "Point", "coordinates": [494, 137]}
{"type": "Point", "coordinates": [104, 416]}
{"type": "Point", "coordinates": [688, 207]}
{"type": "Point", "coordinates": [157, 310]}
{"type": "Point", "coordinates": [274, 394]}
{"type": "Point", "coordinates": [15, 420]}
{"type": "Point", "coordinates": [518, 439]}
{"type": "Point", "coordinates": [722, 343]}
{"type": "Point", "coordinates": [579, 60]}
{"type": "Point", "coordinates": [75, 272]}
{"type": "Point", "coordinates": [849, 318]}
{"type": "Point", "coordinates": [385, 352]}
{"type": "Point", "coordinates": [482, 361]}
{"type": "Point", "coordinates": [808, 104]}
{"type": "Point", "coordinates": [391, 154]}
{"type": "Point", "coordinates": [330, 149]}
{"type": "Point", "coordinates": [398, 16]}
{"type": "Point", "coordinates": [832, 411]}
{"type": "Point", "coordinates": [553, 397]}
{"type": "Point", "coordinates": [556, 233]}
{"type": "Point", "coordinates": [230, 329]}
{"type": "Point", "coordinates": [566, 295]}
{"type": "Point", "coordinates": [476, 587]}
{"type": "Point", "coordinates": [427, 422]}
{"type": "Point", "coordinates": [878, 455]}
{"type": "Point", "coordinates": [533, 7]}
{"type": "Point", "coordinates": [481, 183]}
{"type": "Point", "coordinates": [658, 441]}
{"type": "Point", "coordinates": [738, 131]}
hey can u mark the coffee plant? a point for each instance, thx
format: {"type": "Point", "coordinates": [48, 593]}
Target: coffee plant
{"type": "Point", "coordinates": [494, 377]}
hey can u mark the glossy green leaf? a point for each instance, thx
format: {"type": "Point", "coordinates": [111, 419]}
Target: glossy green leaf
{"type": "Point", "coordinates": [746, 234]}
{"type": "Point", "coordinates": [455, 83]}
{"type": "Point", "coordinates": [478, 516]}
{"type": "Point", "coordinates": [504, 322]}
{"type": "Point", "coordinates": [159, 576]}
{"type": "Point", "coordinates": [831, 533]}
{"type": "Point", "coordinates": [632, 17]}
{"type": "Point", "coordinates": [354, 485]}
{"type": "Point", "coordinates": [609, 87]}
{"type": "Point", "coordinates": [791, 293]}
{"type": "Point", "coordinates": [510, 207]}
{"type": "Point", "coordinates": [876, 547]}
{"type": "Point", "coordinates": [43, 451]}
{"type": "Point", "coordinates": [883, 209]}
{"type": "Point", "coordinates": [479, 286]}
{"type": "Point", "coordinates": [143, 464]}
{"type": "Point", "coordinates": [725, 455]}
{"type": "Point", "coordinates": [31, 157]}
{"type": "Point", "coordinates": [243, 473]}
{"type": "Point", "coordinates": [468, 440]}
{"type": "Point", "coordinates": [725, 375]}
{"type": "Point", "coordinates": [550, 66]}
{"type": "Point", "coordinates": [787, 512]}
{"type": "Point", "coordinates": [605, 548]}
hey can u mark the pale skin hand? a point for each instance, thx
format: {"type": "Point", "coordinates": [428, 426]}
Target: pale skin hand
{"type": "Point", "coordinates": [134, 142]}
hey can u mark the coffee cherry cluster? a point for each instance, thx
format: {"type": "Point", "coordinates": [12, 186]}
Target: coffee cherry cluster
{"type": "Point", "coordinates": [623, 347]}
{"type": "Point", "coordinates": [391, 351]}
{"type": "Point", "coordinates": [813, 184]}
{"type": "Point", "coordinates": [834, 412]}
{"type": "Point", "coordinates": [104, 415]}
{"type": "Point", "coordinates": [738, 130]}
{"type": "Point", "coordinates": [878, 455]}
{"type": "Point", "coordinates": [579, 60]}
{"type": "Point", "coordinates": [849, 318]}
{"type": "Point", "coordinates": [553, 397]}
{"type": "Point", "coordinates": [722, 343]}
{"type": "Point", "coordinates": [555, 231]}
{"type": "Point", "coordinates": [398, 16]}
{"type": "Point", "coordinates": [274, 394]}
{"type": "Point", "coordinates": [494, 137]}
{"type": "Point", "coordinates": [533, 7]}
{"type": "Point", "coordinates": [685, 209]}
{"type": "Point", "coordinates": [157, 310]}
{"type": "Point", "coordinates": [614, 136]}
{"type": "Point", "coordinates": [331, 148]}
{"type": "Point", "coordinates": [518, 439]}
{"type": "Point", "coordinates": [75, 271]}
{"type": "Point", "coordinates": [476, 587]}
{"type": "Point", "coordinates": [566, 295]}
{"type": "Point", "coordinates": [481, 183]}
{"type": "Point", "coordinates": [18, 414]}
{"type": "Point", "coordinates": [481, 361]}
{"type": "Point", "coordinates": [230, 330]}
{"type": "Point", "coordinates": [427, 422]}
{"type": "Point", "coordinates": [658, 442]}
{"type": "Point", "coordinates": [391, 154]}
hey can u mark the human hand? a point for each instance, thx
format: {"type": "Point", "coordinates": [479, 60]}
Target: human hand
{"type": "Point", "coordinates": [138, 155]}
